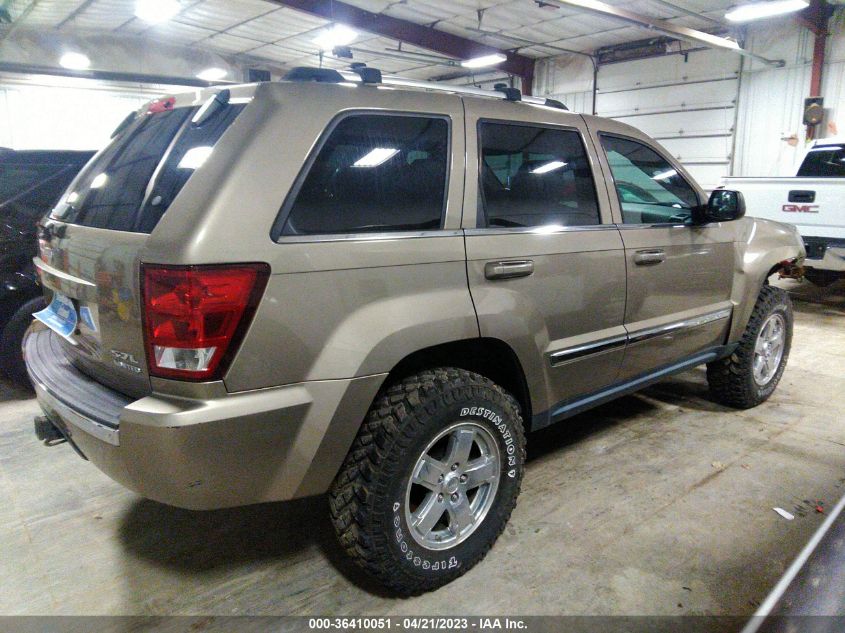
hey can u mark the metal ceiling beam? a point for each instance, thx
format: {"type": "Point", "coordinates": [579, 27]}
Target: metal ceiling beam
{"type": "Point", "coordinates": [661, 26]}
{"type": "Point", "coordinates": [416, 34]}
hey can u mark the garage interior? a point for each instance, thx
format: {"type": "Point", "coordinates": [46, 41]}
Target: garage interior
{"type": "Point", "coordinates": [660, 503]}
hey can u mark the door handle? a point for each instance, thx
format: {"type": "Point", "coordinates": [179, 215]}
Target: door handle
{"type": "Point", "coordinates": [797, 195]}
{"type": "Point", "coordinates": [508, 269]}
{"type": "Point", "coordinates": [649, 258]}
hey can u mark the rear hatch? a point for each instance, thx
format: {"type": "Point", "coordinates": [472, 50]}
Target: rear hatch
{"type": "Point", "coordinates": [91, 246]}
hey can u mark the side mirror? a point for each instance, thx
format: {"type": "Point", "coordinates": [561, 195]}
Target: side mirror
{"type": "Point", "coordinates": [724, 205]}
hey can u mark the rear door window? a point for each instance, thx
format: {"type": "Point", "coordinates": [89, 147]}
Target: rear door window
{"type": "Point", "coordinates": [373, 173]}
{"type": "Point", "coordinates": [824, 161]}
{"type": "Point", "coordinates": [115, 191]}
{"type": "Point", "coordinates": [535, 176]}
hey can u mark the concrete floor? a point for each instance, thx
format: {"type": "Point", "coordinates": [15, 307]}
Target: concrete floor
{"type": "Point", "coordinates": [659, 503]}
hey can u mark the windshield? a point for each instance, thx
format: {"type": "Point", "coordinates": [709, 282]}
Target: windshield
{"type": "Point", "coordinates": [161, 149]}
{"type": "Point", "coordinates": [824, 161]}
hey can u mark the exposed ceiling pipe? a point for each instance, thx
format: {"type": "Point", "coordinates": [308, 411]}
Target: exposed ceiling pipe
{"type": "Point", "coordinates": [661, 26]}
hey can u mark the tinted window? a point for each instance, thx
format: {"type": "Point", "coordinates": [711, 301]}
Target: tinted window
{"type": "Point", "coordinates": [535, 176]}
{"type": "Point", "coordinates": [374, 173]}
{"type": "Point", "coordinates": [826, 161]}
{"type": "Point", "coordinates": [30, 203]}
{"type": "Point", "coordinates": [113, 188]}
{"type": "Point", "coordinates": [650, 190]}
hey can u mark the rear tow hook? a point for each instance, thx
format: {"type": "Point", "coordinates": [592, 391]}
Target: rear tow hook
{"type": "Point", "coordinates": [47, 432]}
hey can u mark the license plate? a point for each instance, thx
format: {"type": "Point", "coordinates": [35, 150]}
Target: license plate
{"type": "Point", "coordinates": [60, 316]}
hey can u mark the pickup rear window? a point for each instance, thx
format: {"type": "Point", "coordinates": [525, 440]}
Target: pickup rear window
{"type": "Point", "coordinates": [114, 191]}
{"type": "Point", "coordinates": [824, 161]}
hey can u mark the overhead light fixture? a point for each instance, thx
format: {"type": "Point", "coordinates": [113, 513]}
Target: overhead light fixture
{"type": "Point", "coordinates": [212, 74]}
{"type": "Point", "coordinates": [376, 157]}
{"type": "Point", "coordinates": [484, 60]}
{"type": "Point", "coordinates": [99, 180]}
{"type": "Point", "coordinates": [665, 175]}
{"type": "Point", "coordinates": [547, 167]}
{"type": "Point", "coordinates": [334, 36]}
{"type": "Point", "coordinates": [195, 157]}
{"type": "Point", "coordinates": [764, 9]}
{"type": "Point", "coordinates": [75, 61]}
{"type": "Point", "coordinates": [156, 11]}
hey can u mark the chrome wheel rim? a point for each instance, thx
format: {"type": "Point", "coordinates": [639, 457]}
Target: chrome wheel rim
{"type": "Point", "coordinates": [452, 486]}
{"type": "Point", "coordinates": [768, 350]}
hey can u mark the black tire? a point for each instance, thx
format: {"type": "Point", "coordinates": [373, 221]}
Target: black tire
{"type": "Point", "coordinates": [821, 278]}
{"type": "Point", "coordinates": [731, 379]}
{"type": "Point", "coordinates": [11, 355]}
{"type": "Point", "coordinates": [368, 497]}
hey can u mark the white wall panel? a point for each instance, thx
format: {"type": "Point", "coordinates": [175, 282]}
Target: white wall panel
{"type": "Point", "coordinates": [702, 109]}
{"type": "Point", "coordinates": [686, 122]}
{"type": "Point", "coordinates": [707, 93]}
{"type": "Point", "coordinates": [65, 113]}
{"type": "Point", "coordinates": [674, 98]}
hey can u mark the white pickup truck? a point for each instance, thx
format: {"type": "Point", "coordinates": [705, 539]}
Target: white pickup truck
{"type": "Point", "coordinates": [813, 200]}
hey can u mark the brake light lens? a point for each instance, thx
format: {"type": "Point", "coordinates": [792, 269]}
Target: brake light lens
{"type": "Point", "coordinates": [195, 316]}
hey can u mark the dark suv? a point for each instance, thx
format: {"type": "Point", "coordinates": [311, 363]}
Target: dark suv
{"type": "Point", "coordinates": [31, 182]}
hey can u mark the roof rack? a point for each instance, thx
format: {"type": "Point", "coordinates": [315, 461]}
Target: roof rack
{"type": "Point", "coordinates": [372, 75]}
{"type": "Point", "coordinates": [509, 94]}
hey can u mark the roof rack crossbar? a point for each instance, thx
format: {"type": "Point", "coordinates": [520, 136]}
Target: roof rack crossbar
{"type": "Point", "coordinates": [393, 80]}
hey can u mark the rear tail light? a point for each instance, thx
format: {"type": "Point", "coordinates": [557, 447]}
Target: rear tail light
{"type": "Point", "coordinates": [195, 316]}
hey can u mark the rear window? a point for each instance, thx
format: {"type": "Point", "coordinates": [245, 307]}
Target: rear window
{"type": "Point", "coordinates": [114, 192]}
{"type": "Point", "coordinates": [373, 173]}
{"type": "Point", "coordinates": [825, 161]}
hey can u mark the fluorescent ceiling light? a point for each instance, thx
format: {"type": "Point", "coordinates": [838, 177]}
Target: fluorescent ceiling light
{"type": "Point", "coordinates": [212, 74]}
{"type": "Point", "coordinates": [665, 175]}
{"type": "Point", "coordinates": [484, 60]}
{"type": "Point", "coordinates": [75, 61]}
{"type": "Point", "coordinates": [195, 157]}
{"type": "Point", "coordinates": [156, 11]}
{"type": "Point", "coordinates": [376, 157]}
{"type": "Point", "coordinates": [764, 9]}
{"type": "Point", "coordinates": [337, 35]}
{"type": "Point", "coordinates": [550, 166]}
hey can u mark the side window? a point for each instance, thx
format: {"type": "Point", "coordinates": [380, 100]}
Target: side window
{"type": "Point", "coordinates": [374, 173]}
{"type": "Point", "coordinates": [535, 176]}
{"type": "Point", "coordinates": [650, 190]}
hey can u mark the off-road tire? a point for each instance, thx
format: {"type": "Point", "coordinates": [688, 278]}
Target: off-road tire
{"type": "Point", "coordinates": [731, 379]}
{"type": "Point", "coordinates": [367, 498]}
{"type": "Point", "coordinates": [11, 355]}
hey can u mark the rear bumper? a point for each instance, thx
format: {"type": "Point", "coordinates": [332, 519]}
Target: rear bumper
{"type": "Point", "coordinates": [825, 253]}
{"type": "Point", "coordinates": [238, 449]}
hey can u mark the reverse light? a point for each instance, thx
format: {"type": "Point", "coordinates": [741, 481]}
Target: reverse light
{"type": "Point", "coordinates": [195, 316]}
